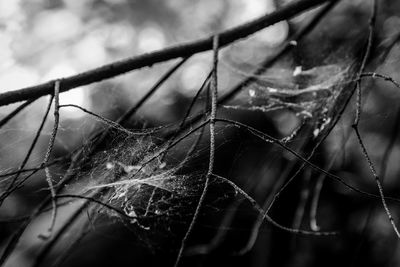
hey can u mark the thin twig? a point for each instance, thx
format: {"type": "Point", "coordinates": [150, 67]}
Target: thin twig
{"type": "Point", "coordinates": [266, 206]}
{"type": "Point", "coordinates": [229, 216]}
{"type": "Point", "coordinates": [108, 122]}
{"type": "Point", "coordinates": [13, 113]}
{"type": "Point", "coordinates": [151, 92]}
{"type": "Point", "coordinates": [355, 125]}
{"type": "Point", "coordinates": [21, 182]}
{"type": "Point", "coordinates": [189, 110]}
{"type": "Point", "coordinates": [378, 182]}
{"type": "Point", "coordinates": [382, 76]}
{"type": "Point", "coordinates": [28, 154]}
{"type": "Point", "coordinates": [267, 217]}
{"type": "Point", "coordinates": [364, 62]}
{"type": "Point", "coordinates": [214, 99]}
{"type": "Point", "coordinates": [270, 139]}
{"type": "Point", "coordinates": [382, 173]}
{"type": "Point", "coordinates": [49, 177]}
{"type": "Point", "coordinates": [195, 143]}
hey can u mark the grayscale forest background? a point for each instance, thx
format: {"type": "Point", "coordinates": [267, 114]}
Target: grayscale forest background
{"type": "Point", "coordinates": [193, 133]}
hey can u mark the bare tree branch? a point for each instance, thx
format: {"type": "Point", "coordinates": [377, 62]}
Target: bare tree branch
{"type": "Point", "coordinates": [149, 59]}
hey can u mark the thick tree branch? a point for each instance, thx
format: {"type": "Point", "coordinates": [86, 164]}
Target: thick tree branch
{"type": "Point", "coordinates": [182, 50]}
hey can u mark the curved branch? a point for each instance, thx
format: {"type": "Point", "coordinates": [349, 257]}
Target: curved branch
{"type": "Point", "coordinates": [149, 59]}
